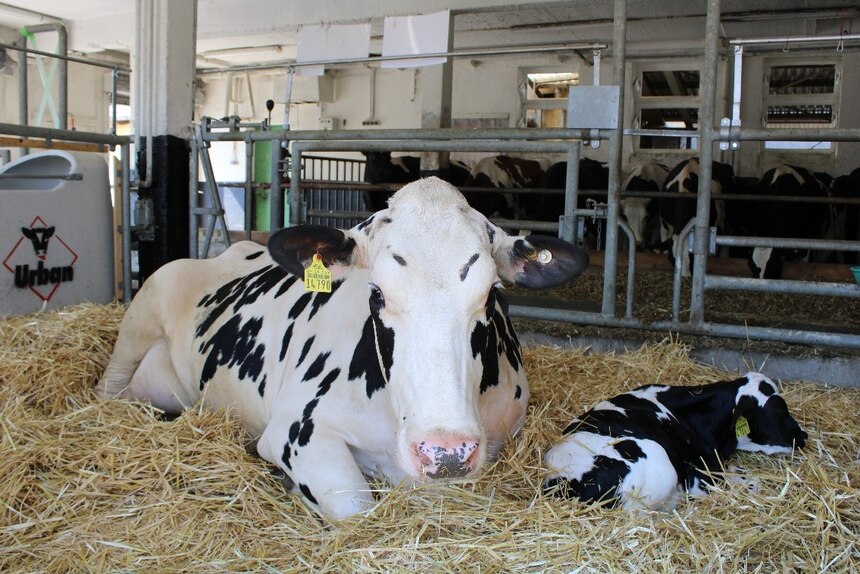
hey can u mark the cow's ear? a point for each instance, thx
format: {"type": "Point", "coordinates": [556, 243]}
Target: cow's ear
{"type": "Point", "coordinates": [539, 261]}
{"type": "Point", "coordinates": [293, 248]}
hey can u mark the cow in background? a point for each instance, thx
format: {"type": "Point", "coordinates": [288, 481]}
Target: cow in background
{"type": "Point", "coordinates": [593, 176]}
{"type": "Point", "coordinates": [381, 167]}
{"type": "Point", "coordinates": [502, 171]}
{"type": "Point", "coordinates": [786, 219]}
{"type": "Point", "coordinates": [845, 219]}
{"type": "Point", "coordinates": [676, 213]}
{"type": "Point", "coordinates": [641, 213]}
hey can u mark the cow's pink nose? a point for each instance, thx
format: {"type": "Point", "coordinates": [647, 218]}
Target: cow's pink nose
{"type": "Point", "coordinates": [446, 458]}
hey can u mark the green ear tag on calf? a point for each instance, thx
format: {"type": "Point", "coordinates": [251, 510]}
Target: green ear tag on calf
{"type": "Point", "coordinates": [742, 427]}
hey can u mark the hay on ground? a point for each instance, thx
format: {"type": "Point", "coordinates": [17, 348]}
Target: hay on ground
{"type": "Point", "coordinates": [99, 486]}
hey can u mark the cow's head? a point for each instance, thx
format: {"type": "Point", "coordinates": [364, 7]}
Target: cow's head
{"type": "Point", "coordinates": [433, 266]}
{"type": "Point", "coordinates": [771, 427]}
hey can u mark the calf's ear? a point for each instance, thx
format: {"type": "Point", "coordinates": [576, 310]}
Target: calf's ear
{"type": "Point", "coordinates": [539, 261]}
{"type": "Point", "coordinates": [293, 248]}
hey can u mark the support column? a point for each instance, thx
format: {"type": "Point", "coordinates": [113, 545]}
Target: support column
{"type": "Point", "coordinates": [163, 95]}
{"type": "Point", "coordinates": [436, 88]}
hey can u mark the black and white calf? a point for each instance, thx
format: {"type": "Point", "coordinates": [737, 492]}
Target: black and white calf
{"type": "Point", "coordinates": [643, 449]}
{"type": "Point", "coordinates": [409, 368]}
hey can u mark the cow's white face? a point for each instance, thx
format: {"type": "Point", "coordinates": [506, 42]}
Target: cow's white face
{"type": "Point", "coordinates": [433, 267]}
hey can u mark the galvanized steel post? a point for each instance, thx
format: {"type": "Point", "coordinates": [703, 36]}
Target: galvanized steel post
{"type": "Point", "coordinates": [708, 89]}
{"type": "Point", "coordinates": [619, 47]}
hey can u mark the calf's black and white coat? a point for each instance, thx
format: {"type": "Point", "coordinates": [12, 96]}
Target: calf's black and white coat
{"type": "Point", "coordinates": [643, 449]}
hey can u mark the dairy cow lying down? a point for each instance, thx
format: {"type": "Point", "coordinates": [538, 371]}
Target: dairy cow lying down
{"type": "Point", "coordinates": [409, 367]}
{"type": "Point", "coordinates": [644, 448]}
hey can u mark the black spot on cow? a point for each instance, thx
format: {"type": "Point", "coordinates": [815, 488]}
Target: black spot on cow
{"type": "Point", "coordinates": [326, 383]}
{"type": "Point", "coordinates": [399, 259]}
{"type": "Point", "coordinates": [365, 361]}
{"type": "Point", "coordinates": [316, 367]}
{"type": "Point", "coordinates": [238, 293]}
{"type": "Point", "coordinates": [300, 305]}
{"type": "Point", "coordinates": [494, 338]}
{"type": "Point", "coordinates": [320, 299]}
{"type": "Point", "coordinates": [464, 271]}
{"type": "Point", "coordinates": [598, 484]}
{"type": "Point", "coordinates": [253, 256]}
{"type": "Point", "coordinates": [305, 348]}
{"type": "Point", "coordinates": [286, 456]}
{"type": "Point", "coordinates": [307, 426]}
{"type": "Point", "coordinates": [629, 450]}
{"type": "Point", "coordinates": [285, 342]}
{"type": "Point", "coordinates": [261, 388]}
{"type": "Point", "coordinates": [234, 344]}
{"type": "Point", "coordinates": [301, 431]}
{"type": "Point", "coordinates": [386, 220]}
{"type": "Point", "coordinates": [518, 393]}
{"type": "Point", "coordinates": [365, 224]}
{"type": "Point", "coordinates": [307, 492]}
{"type": "Point", "coordinates": [491, 233]}
{"type": "Point", "coordinates": [285, 285]}
{"type": "Point", "coordinates": [765, 389]}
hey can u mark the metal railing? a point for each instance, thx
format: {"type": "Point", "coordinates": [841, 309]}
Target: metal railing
{"type": "Point", "coordinates": [568, 141]}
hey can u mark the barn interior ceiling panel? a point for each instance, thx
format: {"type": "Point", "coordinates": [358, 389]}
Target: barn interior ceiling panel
{"type": "Point", "coordinates": [230, 34]}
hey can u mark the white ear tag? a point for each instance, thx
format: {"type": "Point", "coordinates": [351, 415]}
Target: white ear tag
{"type": "Point", "coordinates": [317, 277]}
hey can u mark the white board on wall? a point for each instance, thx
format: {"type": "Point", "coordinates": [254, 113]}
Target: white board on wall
{"type": "Point", "coordinates": [415, 35]}
{"type": "Point", "coordinates": [331, 42]}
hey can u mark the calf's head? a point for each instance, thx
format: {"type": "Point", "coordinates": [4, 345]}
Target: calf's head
{"type": "Point", "coordinates": [770, 427]}
{"type": "Point", "coordinates": [433, 267]}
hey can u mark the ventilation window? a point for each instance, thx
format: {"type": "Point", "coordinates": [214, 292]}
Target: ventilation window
{"type": "Point", "coordinates": [543, 97]}
{"type": "Point", "coordinates": [667, 99]}
{"type": "Point", "coordinates": [800, 96]}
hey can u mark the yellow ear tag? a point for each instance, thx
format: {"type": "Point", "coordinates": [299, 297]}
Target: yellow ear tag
{"type": "Point", "coordinates": [317, 277]}
{"type": "Point", "coordinates": [742, 427]}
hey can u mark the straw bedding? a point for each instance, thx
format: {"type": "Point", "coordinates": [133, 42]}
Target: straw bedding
{"type": "Point", "coordinates": [110, 486]}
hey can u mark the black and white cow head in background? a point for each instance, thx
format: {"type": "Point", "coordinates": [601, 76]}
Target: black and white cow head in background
{"type": "Point", "coordinates": [432, 268]}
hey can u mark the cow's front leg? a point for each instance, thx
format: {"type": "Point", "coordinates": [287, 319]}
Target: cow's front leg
{"type": "Point", "coordinates": [323, 470]}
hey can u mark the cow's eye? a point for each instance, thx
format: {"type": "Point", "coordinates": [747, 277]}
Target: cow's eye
{"type": "Point", "coordinates": [377, 300]}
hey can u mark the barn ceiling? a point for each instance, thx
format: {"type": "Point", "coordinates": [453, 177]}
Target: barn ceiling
{"type": "Point", "coordinates": [229, 33]}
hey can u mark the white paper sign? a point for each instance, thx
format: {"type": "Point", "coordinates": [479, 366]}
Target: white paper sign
{"type": "Point", "coordinates": [332, 42]}
{"type": "Point", "coordinates": [411, 35]}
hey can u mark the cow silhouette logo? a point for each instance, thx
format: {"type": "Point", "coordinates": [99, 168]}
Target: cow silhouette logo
{"type": "Point", "coordinates": [35, 266]}
{"type": "Point", "coordinates": [39, 236]}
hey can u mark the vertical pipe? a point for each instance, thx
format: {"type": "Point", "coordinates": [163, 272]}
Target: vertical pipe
{"type": "Point", "coordinates": [706, 156]}
{"type": "Point", "coordinates": [276, 192]}
{"type": "Point", "coordinates": [23, 112]}
{"type": "Point", "coordinates": [249, 190]}
{"type": "Point", "coordinates": [125, 207]}
{"type": "Point", "coordinates": [619, 59]}
{"type": "Point", "coordinates": [571, 190]}
{"type": "Point", "coordinates": [113, 76]}
{"type": "Point", "coordinates": [295, 185]}
{"type": "Point", "coordinates": [193, 233]}
{"type": "Point", "coordinates": [63, 49]}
